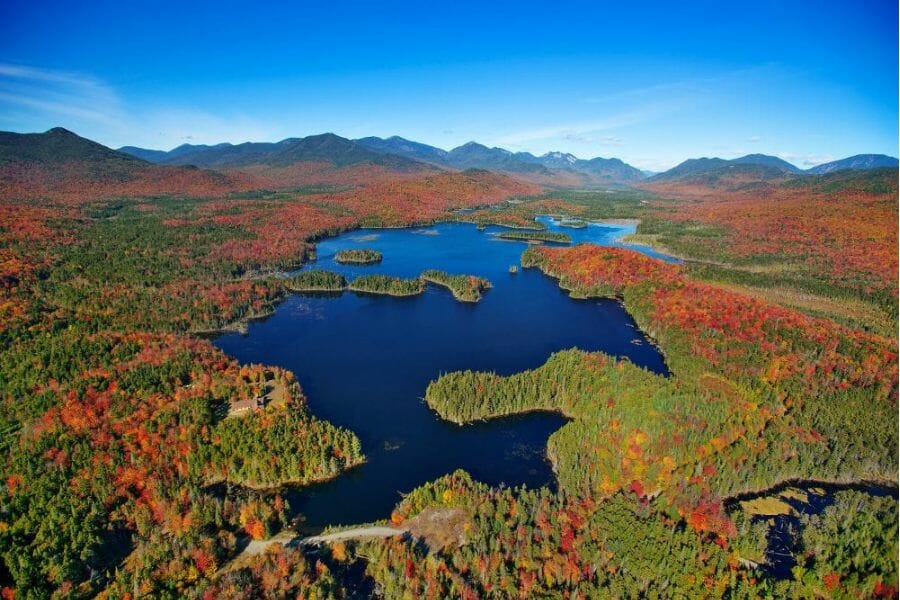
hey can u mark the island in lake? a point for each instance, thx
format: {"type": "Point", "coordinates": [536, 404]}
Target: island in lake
{"type": "Point", "coordinates": [546, 346]}
{"type": "Point", "coordinates": [387, 285]}
{"type": "Point", "coordinates": [316, 280]}
{"type": "Point", "coordinates": [536, 236]}
{"type": "Point", "coordinates": [465, 288]}
{"type": "Point", "coordinates": [357, 256]}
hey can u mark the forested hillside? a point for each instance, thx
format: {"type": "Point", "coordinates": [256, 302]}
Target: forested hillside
{"type": "Point", "coordinates": [117, 437]}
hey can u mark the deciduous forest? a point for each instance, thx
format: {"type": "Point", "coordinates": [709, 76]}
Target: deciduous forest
{"type": "Point", "coordinates": [139, 460]}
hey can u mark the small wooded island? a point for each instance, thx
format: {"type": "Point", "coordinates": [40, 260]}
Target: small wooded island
{"type": "Point", "coordinates": [390, 286]}
{"type": "Point", "coordinates": [465, 288]}
{"type": "Point", "coordinates": [573, 223]}
{"type": "Point", "coordinates": [536, 236]}
{"type": "Point", "coordinates": [316, 281]}
{"type": "Point", "coordinates": [358, 256]}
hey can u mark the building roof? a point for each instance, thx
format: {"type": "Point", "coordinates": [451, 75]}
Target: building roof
{"type": "Point", "coordinates": [249, 404]}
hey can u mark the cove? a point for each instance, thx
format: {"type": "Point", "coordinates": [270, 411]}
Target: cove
{"type": "Point", "coordinates": [782, 543]}
{"type": "Point", "coordinates": [364, 361]}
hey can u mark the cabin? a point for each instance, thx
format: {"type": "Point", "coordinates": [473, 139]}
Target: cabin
{"type": "Point", "coordinates": [243, 406]}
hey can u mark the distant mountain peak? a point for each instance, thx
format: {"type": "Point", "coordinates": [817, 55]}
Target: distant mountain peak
{"type": "Point", "coordinates": [855, 163]}
{"type": "Point", "coordinates": [763, 167]}
{"type": "Point", "coordinates": [766, 161]}
{"type": "Point", "coordinates": [558, 159]}
{"type": "Point", "coordinates": [562, 156]}
{"type": "Point", "coordinates": [327, 136]}
{"type": "Point", "coordinates": [58, 145]}
{"type": "Point", "coordinates": [60, 131]}
{"type": "Point", "coordinates": [406, 148]}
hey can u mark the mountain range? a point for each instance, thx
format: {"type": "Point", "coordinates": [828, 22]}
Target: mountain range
{"type": "Point", "coordinates": [475, 155]}
{"type": "Point", "coordinates": [61, 163]}
{"type": "Point", "coordinates": [553, 167]}
{"type": "Point", "coordinates": [396, 154]}
{"type": "Point", "coordinates": [761, 168]}
{"type": "Point", "coordinates": [856, 163]}
{"type": "Point", "coordinates": [326, 147]}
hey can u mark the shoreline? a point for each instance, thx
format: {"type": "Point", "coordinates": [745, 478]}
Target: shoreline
{"type": "Point", "coordinates": [826, 484]}
{"type": "Point", "coordinates": [238, 326]}
{"type": "Point", "coordinates": [274, 487]}
{"type": "Point", "coordinates": [383, 293]}
{"type": "Point", "coordinates": [241, 325]}
{"type": "Point", "coordinates": [315, 290]}
{"type": "Point", "coordinates": [456, 296]}
{"type": "Point", "coordinates": [577, 294]}
{"type": "Point", "coordinates": [558, 410]}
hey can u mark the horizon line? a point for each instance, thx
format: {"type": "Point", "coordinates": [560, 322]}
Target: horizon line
{"type": "Point", "coordinates": [511, 152]}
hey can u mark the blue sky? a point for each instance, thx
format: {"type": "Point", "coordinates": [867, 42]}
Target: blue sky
{"type": "Point", "coordinates": [650, 83]}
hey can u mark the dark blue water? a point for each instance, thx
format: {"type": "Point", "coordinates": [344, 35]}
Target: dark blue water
{"type": "Point", "coordinates": [365, 361]}
{"type": "Point", "coordinates": [784, 535]}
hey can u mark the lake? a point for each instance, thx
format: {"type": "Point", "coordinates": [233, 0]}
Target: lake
{"type": "Point", "coordinates": [365, 361]}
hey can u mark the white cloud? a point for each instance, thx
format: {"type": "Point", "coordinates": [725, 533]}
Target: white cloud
{"type": "Point", "coordinates": [44, 98]}
{"type": "Point", "coordinates": [605, 140]}
{"type": "Point", "coordinates": [617, 110]}
{"type": "Point", "coordinates": [65, 109]}
{"type": "Point", "coordinates": [593, 128]}
{"type": "Point", "coordinates": [68, 97]}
